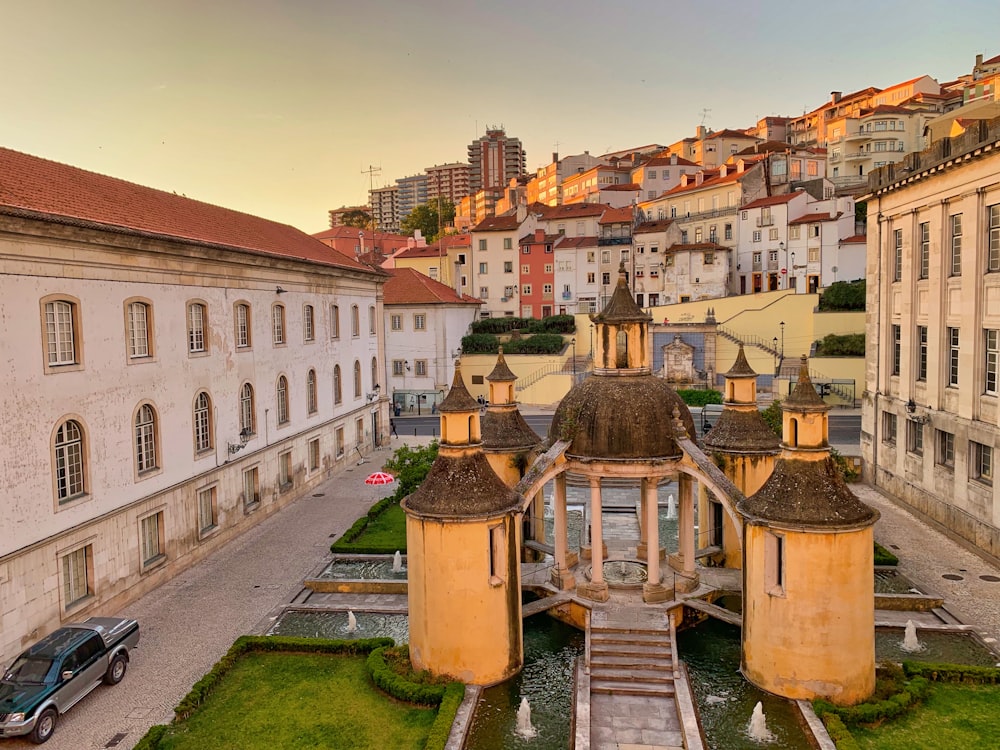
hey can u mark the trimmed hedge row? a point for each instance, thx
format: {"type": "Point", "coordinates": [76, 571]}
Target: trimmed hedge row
{"type": "Point", "coordinates": [873, 712]}
{"type": "Point", "coordinates": [151, 739]}
{"type": "Point", "coordinates": [388, 681]}
{"type": "Point", "coordinates": [437, 738]}
{"type": "Point", "coordinates": [965, 673]}
{"type": "Point", "coordinates": [884, 556]}
{"type": "Point", "coordinates": [359, 526]}
{"type": "Point", "coordinates": [846, 345]}
{"type": "Point", "coordinates": [539, 343]}
{"type": "Point", "coordinates": [699, 397]}
{"type": "Point", "coordinates": [839, 733]}
{"type": "Point", "coordinates": [551, 324]}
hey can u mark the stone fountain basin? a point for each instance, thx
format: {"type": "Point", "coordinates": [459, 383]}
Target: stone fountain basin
{"type": "Point", "coordinates": [358, 574]}
{"type": "Point", "coordinates": [322, 623]}
{"type": "Point", "coordinates": [939, 646]}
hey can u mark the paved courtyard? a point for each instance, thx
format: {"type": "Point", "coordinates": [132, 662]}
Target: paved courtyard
{"type": "Point", "coordinates": [188, 623]}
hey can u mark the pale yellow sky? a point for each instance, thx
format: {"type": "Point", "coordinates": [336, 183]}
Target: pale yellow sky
{"type": "Point", "coordinates": [276, 108]}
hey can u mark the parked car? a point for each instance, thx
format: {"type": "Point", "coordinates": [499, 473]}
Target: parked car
{"type": "Point", "coordinates": [53, 675]}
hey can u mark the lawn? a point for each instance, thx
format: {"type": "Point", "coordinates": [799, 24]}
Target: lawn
{"type": "Point", "coordinates": [293, 701]}
{"type": "Point", "coordinates": [953, 716]}
{"type": "Point", "coordinates": [384, 534]}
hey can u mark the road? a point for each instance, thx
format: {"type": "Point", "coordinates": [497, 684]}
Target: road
{"type": "Point", "coordinates": [845, 429]}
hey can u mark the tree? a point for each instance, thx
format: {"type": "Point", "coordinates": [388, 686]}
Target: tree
{"type": "Point", "coordinates": [425, 218]}
{"type": "Point", "coordinates": [357, 218]}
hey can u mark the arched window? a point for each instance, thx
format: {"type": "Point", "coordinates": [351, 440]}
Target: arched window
{"type": "Point", "coordinates": [248, 421]}
{"type": "Point", "coordinates": [197, 322]}
{"type": "Point", "coordinates": [139, 333]}
{"type": "Point", "coordinates": [357, 379]}
{"type": "Point", "coordinates": [338, 394]}
{"type": "Point", "coordinates": [202, 422]}
{"type": "Point", "coordinates": [334, 321]}
{"type": "Point", "coordinates": [61, 335]}
{"type": "Point", "coordinates": [374, 372]}
{"type": "Point", "coordinates": [145, 438]}
{"type": "Point", "coordinates": [621, 353]}
{"type": "Point", "coordinates": [68, 461]}
{"type": "Point", "coordinates": [311, 392]}
{"type": "Point", "coordinates": [282, 400]}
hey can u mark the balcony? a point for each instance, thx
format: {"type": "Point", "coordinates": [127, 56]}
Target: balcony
{"type": "Point", "coordinates": [858, 156]}
{"type": "Point", "coordinates": [860, 135]}
{"type": "Point", "coordinates": [765, 221]}
{"type": "Point", "coordinates": [614, 240]}
{"type": "Point", "coordinates": [567, 295]}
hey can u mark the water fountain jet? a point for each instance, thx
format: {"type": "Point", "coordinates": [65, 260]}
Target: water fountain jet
{"type": "Point", "coordinates": [757, 729]}
{"type": "Point", "coordinates": [671, 508]}
{"type": "Point", "coordinates": [352, 622]}
{"type": "Point", "coordinates": [397, 562]}
{"type": "Point", "coordinates": [524, 727]}
{"type": "Point", "coordinates": [911, 644]}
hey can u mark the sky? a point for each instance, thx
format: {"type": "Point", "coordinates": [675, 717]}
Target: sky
{"type": "Point", "coordinates": [279, 107]}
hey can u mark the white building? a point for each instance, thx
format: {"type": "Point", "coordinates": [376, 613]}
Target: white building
{"type": "Point", "coordinates": [493, 264]}
{"type": "Point", "coordinates": [425, 321]}
{"type": "Point", "coordinates": [177, 372]}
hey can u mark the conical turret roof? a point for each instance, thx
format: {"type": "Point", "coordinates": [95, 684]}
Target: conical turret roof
{"type": "Point", "coordinates": [501, 372]}
{"type": "Point", "coordinates": [741, 368]}
{"type": "Point", "coordinates": [458, 398]}
{"type": "Point", "coordinates": [804, 397]}
{"type": "Point", "coordinates": [622, 308]}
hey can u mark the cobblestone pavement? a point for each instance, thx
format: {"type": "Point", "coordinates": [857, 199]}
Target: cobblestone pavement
{"type": "Point", "coordinates": [926, 555]}
{"type": "Point", "coordinates": [191, 621]}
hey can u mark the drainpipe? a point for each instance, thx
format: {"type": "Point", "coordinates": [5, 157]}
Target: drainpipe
{"type": "Point", "coordinates": [878, 327]}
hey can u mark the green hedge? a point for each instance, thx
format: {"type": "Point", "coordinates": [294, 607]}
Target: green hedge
{"type": "Point", "coordinates": [847, 345]}
{"type": "Point", "coordinates": [398, 686]}
{"type": "Point", "coordinates": [965, 673]}
{"type": "Point", "coordinates": [437, 738]}
{"type": "Point", "coordinates": [895, 704]}
{"type": "Point", "coordinates": [844, 295]}
{"type": "Point", "coordinates": [151, 740]}
{"type": "Point", "coordinates": [839, 733]}
{"type": "Point", "coordinates": [359, 526]}
{"type": "Point", "coordinates": [253, 643]}
{"type": "Point", "coordinates": [551, 324]}
{"type": "Point", "coordinates": [884, 556]}
{"type": "Point", "coordinates": [480, 343]}
{"type": "Point", "coordinates": [538, 343]}
{"type": "Point", "coordinates": [699, 397]}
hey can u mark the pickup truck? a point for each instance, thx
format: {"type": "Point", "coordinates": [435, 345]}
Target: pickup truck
{"type": "Point", "coordinates": [53, 675]}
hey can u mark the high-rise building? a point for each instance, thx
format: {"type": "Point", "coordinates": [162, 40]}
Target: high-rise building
{"type": "Point", "coordinates": [337, 214]}
{"type": "Point", "coordinates": [385, 207]}
{"type": "Point", "coordinates": [412, 193]}
{"type": "Point", "coordinates": [448, 181]}
{"type": "Point", "coordinates": [494, 159]}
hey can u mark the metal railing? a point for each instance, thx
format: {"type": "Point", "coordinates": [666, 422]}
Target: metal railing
{"type": "Point", "coordinates": [748, 340]}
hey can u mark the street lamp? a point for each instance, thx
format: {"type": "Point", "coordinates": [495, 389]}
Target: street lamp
{"type": "Point", "coordinates": [775, 350]}
{"type": "Point", "coordinates": [573, 342]}
{"type": "Point", "coordinates": [781, 248]}
{"type": "Point", "coordinates": [782, 324]}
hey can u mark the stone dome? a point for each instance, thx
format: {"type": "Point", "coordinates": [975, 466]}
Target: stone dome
{"type": "Point", "coordinates": [629, 417]}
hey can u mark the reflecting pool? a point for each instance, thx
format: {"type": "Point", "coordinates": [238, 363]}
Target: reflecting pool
{"type": "Point", "coordinates": [327, 624]}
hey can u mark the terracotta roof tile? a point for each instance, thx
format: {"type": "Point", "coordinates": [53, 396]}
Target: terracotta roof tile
{"type": "Point", "coordinates": [727, 133]}
{"type": "Point", "coordinates": [54, 191]}
{"type": "Point", "coordinates": [616, 216]}
{"type": "Point", "coordinates": [572, 210]}
{"type": "Point", "coordinates": [648, 227]}
{"type": "Point", "coordinates": [407, 286]}
{"type": "Point", "coordinates": [664, 161]}
{"type": "Point", "coordinates": [622, 186]}
{"type": "Point", "coordinates": [813, 218]}
{"type": "Point", "coordinates": [856, 238]}
{"type": "Point", "coordinates": [502, 223]}
{"type": "Point", "coordinates": [771, 200]}
{"type": "Point", "coordinates": [568, 242]}
{"type": "Point", "coordinates": [714, 181]}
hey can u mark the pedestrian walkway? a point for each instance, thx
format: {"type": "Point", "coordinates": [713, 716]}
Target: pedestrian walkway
{"type": "Point", "coordinates": [188, 623]}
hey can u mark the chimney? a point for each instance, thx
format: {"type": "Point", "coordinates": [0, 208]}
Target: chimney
{"type": "Point", "coordinates": [539, 235]}
{"type": "Point", "coordinates": [699, 132]}
{"type": "Point", "coordinates": [555, 157]}
{"type": "Point", "coordinates": [699, 177]}
{"type": "Point", "coordinates": [979, 61]}
{"type": "Point", "coordinates": [673, 158]}
{"type": "Point", "coordinates": [835, 96]}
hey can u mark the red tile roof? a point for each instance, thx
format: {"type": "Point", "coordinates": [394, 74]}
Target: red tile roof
{"type": "Point", "coordinates": [814, 218]}
{"type": "Point", "coordinates": [48, 190]}
{"type": "Point", "coordinates": [772, 200]}
{"type": "Point", "coordinates": [727, 133]}
{"type": "Point", "coordinates": [568, 242]}
{"type": "Point", "coordinates": [648, 227]}
{"type": "Point", "coordinates": [887, 109]}
{"type": "Point", "coordinates": [856, 238]}
{"type": "Point", "coordinates": [572, 210]}
{"type": "Point", "coordinates": [407, 286]}
{"type": "Point", "coordinates": [529, 239]}
{"type": "Point", "coordinates": [992, 60]}
{"type": "Point", "coordinates": [345, 232]}
{"type": "Point", "coordinates": [502, 223]}
{"type": "Point", "coordinates": [623, 186]}
{"type": "Point", "coordinates": [696, 246]}
{"type": "Point", "coordinates": [713, 181]}
{"type": "Point", "coordinates": [664, 161]}
{"type": "Point", "coordinates": [616, 216]}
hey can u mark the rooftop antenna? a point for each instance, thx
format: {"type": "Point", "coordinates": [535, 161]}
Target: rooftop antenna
{"type": "Point", "coordinates": [704, 114]}
{"type": "Point", "coordinates": [372, 172]}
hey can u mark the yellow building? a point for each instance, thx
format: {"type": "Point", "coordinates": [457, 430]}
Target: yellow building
{"type": "Point", "coordinates": [463, 539]}
{"type": "Point", "coordinates": [808, 591]}
{"type": "Point", "coordinates": [744, 447]}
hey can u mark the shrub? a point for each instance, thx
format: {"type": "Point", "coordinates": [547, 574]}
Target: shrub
{"type": "Point", "coordinates": [551, 324]}
{"type": "Point", "coordinates": [437, 738]}
{"type": "Point", "coordinates": [151, 740]}
{"type": "Point", "coordinates": [884, 556]}
{"type": "Point", "coordinates": [699, 397]}
{"type": "Point", "coordinates": [398, 686]}
{"type": "Point", "coordinates": [893, 697]}
{"type": "Point", "coordinates": [772, 415]}
{"type": "Point", "coordinates": [843, 295]}
{"type": "Point", "coordinates": [965, 673]}
{"type": "Point", "coordinates": [480, 343]}
{"type": "Point", "coordinates": [845, 467]}
{"type": "Point", "coordinates": [848, 345]}
{"type": "Point", "coordinates": [249, 643]}
{"type": "Point", "coordinates": [839, 733]}
{"type": "Point", "coordinates": [410, 467]}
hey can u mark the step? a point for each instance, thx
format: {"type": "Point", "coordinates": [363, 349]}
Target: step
{"type": "Point", "coordinates": [648, 689]}
{"type": "Point", "coordinates": [629, 647]}
{"type": "Point", "coordinates": [622, 635]}
{"type": "Point", "coordinates": [599, 672]}
{"type": "Point", "coordinates": [632, 661]}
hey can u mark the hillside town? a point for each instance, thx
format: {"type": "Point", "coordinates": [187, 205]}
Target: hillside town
{"type": "Point", "coordinates": [179, 374]}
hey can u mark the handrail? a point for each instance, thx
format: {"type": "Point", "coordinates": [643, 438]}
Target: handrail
{"type": "Point", "coordinates": [748, 339]}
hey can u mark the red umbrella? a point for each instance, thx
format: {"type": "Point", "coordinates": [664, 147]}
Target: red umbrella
{"type": "Point", "coordinates": [380, 477]}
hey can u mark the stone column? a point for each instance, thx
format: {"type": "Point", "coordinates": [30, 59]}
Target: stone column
{"type": "Point", "coordinates": [562, 576]}
{"type": "Point", "coordinates": [596, 588]}
{"type": "Point", "coordinates": [685, 523]}
{"type": "Point", "coordinates": [640, 551]}
{"type": "Point", "coordinates": [653, 590]}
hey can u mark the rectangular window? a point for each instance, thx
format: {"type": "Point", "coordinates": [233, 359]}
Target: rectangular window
{"type": "Point", "coordinates": [993, 248]}
{"type": "Point", "coordinates": [546, 289]}
{"type": "Point", "coordinates": [605, 278]}
{"type": "Point", "coordinates": [396, 322]}
{"type": "Point", "coordinates": [945, 449]}
{"type": "Point", "coordinates": [359, 431]}
{"type": "Point", "coordinates": [151, 530]}
{"type": "Point", "coordinates": [897, 348]}
{"type": "Point", "coordinates": [278, 321]}
{"type": "Point", "coordinates": [605, 256]}
{"type": "Point", "coordinates": [772, 255]}
{"type": "Point", "coordinates": [981, 462]}
{"type": "Point", "coordinates": [334, 321]}
{"type": "Point", "coordinates": [889, 428]}
{"type": "Point", "coordinates": [482, 245]}
{"type": "Point", "coordinates": [420, 367]}
{"type": "Point", "coordinates": [774, 563]}
{"type": "Point", "coordinates": [508, 244]}
{"type": "Point", "coordinates": [482, 268]}
{"type": "Point", "coordinates": [76, 576]}
{"type": "Point", "coordinates": [508, 266]}
{"type": "Point", "coordinates": [138, 330]}
{"type": "Point", "coordinates": [925, 249]}
{"type": "Point", "coordinates": [525, 288]}
{"type": "Point", "coordinates": [921, 353]}
{"type": "Point", "coordinates": [314, 454]}
{"type": "Point", "coordinates": [955, 230]}
{"type": "Point", "coordinates": [897, 260]}
{"type": "Point", "coordinates": [251, 489]}
{"type": "Point", "coordinates": [914, 437]}
{"type": "Point", "coordinates": [668, 261]}
{"type": "Point", "coordinates": [756, 257]}
{"type": "Point", "coordinates": [497, 554]}
{"type": "Point", "coordinates": [990, 385]}
{"type": "Point", "coordinates": [196, 328]}
{"type": "Point", "coordinates": [285, 470]}
{"type": "Point", "coordinates": [372, 330]}
{"type": "Point", "coordinates": [814, 255]}
{"type": "Point", "coordinates": [698, 235]}
{"type": "Point", "coordinates": [953, 357]}
{"type": "Point", "coordinates": [756, 235]}
{"type": "Point", "coordinates": [419, 322]}
{"type": "Point", "coordinates": [355, 321]}
{"type": "Point", "coordinates": [772, 234]}
{"type": "Point", "coordinates": [727, 232]}
{"type": "Point", "coordinates": [59, 327]}
{"type": "Point", "coordinates": [525, 249]}
{"type": "Point", "coordinates": [484, 292]}
{"type": "Point", "coordinates": [591, 277]}
{"type": "Point", "coordinates": [339, 441]}
{"type": "Point", "coordinates": [398, 367]}
{"type": "Point", "coordinates": [207, 510]}
{"type": "Point", "coordinates": [794, 232]}
{"type": "Point", "coordinates": [708, 259]}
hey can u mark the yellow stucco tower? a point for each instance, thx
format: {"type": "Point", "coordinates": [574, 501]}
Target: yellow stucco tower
{"type": "Point", "coordinates": [509, 443]}
{"type": "Point", "coordinates": [462, 540]}
{"type": "Point", "coordinates": [743, 445]}
{"type": "Point", "coordinates": [808, 586]}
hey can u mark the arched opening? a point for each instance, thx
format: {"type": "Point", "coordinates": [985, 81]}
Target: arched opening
{"type": "Point", "coordinates": [793, 432]}
{"type": "Point", "coordinates": [621, 349]}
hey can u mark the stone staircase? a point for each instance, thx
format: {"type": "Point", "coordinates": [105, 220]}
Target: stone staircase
{"type": "Point", "coordinates": [629, 661]}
